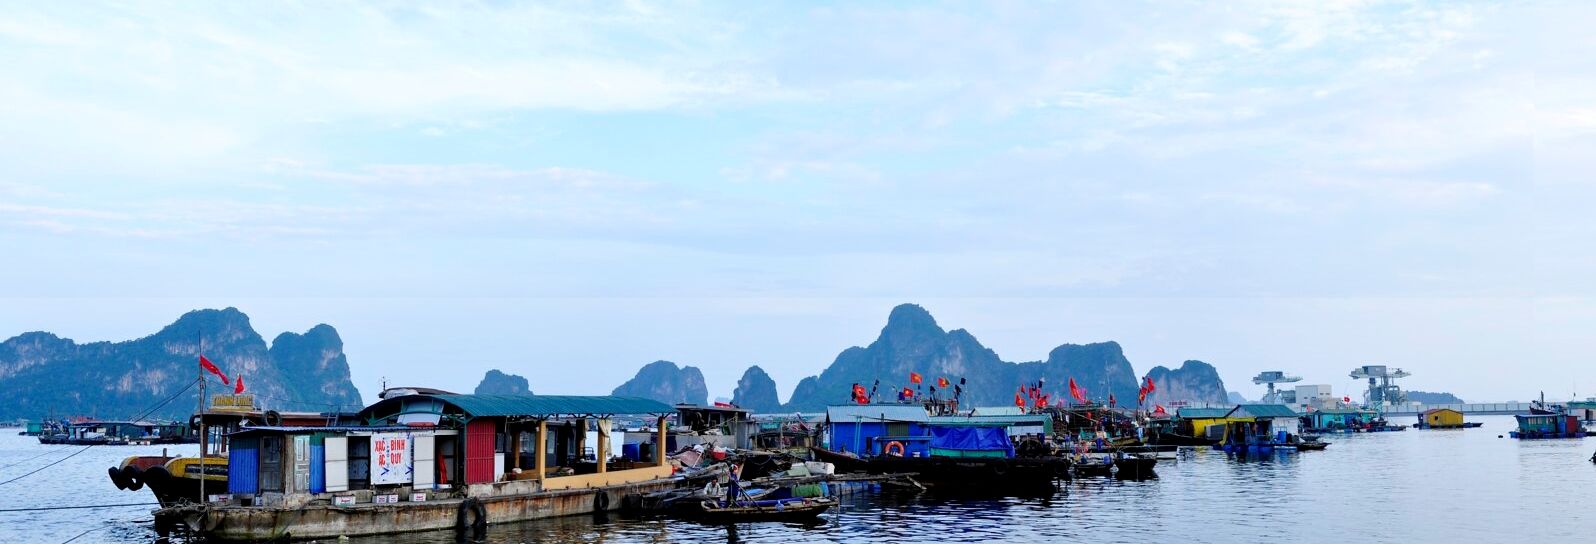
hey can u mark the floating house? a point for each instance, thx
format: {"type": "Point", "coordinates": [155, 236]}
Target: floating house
{"type": "Point", "coordinates": [115, 433]}
{"type": "Point", "coordinates": [426, 461]}
{"type": "Point", "coordinates": [1558, 425]}
{"type": "Point", "coordinates": [1333, 420]}
{"type": "Point", "coordinates": [866, 429]}
{"type": "Point", "coordinates": [1194, 422]}
{"type": "Point", "coordinates": [1260, 428]}
{"type": "Point", "coordinates": [1443, 418]}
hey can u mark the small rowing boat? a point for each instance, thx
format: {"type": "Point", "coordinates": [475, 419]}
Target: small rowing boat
{"type": "Point", "coordinates": [790, 510]}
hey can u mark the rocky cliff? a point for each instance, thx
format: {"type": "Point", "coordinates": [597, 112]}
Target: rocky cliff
{"type": "Point", "coordinates": [1194, 381]}
{"type": "Point", "coordinates": [913, 342]}
{"type": "Point", "coordinates": [756, 391]}
{"type": "Point", "coordinates": [42, 373]}
{"type": "Point", "coordinates": [665, 382]}
{"type": "Point", "coordinates": [499, 383]}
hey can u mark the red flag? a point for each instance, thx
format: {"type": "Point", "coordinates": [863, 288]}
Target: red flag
{"type": "Point", "coordinates": [1158, 409]}
{"type": "Point", "coordinates": [908, 393]}
{"type": "Point", "coordinates": [211, 367]}
{"type": "Point", "coordinates": [1150, 387]}
{"type": "Point", "coordinates": [1076, 392]}
{"type": "Point", "coordinates": [915, 377]}
{"type": "Point", "coordinates": [1110, 399]}
{"type": "Point", "coordinates": [942, 382]}
{"type": "Point", "coordinates": [1019, 401]}
{"type": "Point", "coordinates": [1041, 402]}
{"type": "Point", "coordinates": [238, 385]}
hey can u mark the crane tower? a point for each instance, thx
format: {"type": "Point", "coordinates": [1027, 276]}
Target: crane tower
{"type": "Point", "coordinates": [1272, 377]}
{"type": "Point", "coordinates": [1383, 390]}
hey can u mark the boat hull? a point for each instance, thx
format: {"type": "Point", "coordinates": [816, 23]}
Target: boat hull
{"type": "Point", "coordinates": [322, 521]}
{"type": "Point", "coordinates": [1020, 475]}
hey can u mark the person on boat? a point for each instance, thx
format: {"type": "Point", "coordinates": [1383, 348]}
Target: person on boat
{"type": "Point", "coordinates": [732, 487]}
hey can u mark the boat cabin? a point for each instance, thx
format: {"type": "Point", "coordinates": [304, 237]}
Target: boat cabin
{"type": "Point", "coordinates": [724, 426]}
{"type": "Point", "coordinates": [410, 445]}
{"type": "Point", "coordinates": [1338, 419]}
{"type": "Point", "coordinates": [866, 429]}
{"type": "Point", "coordinates": [1558, 425]}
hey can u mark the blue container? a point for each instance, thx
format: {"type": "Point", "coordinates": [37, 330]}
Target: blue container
{"type": "Point", "coordinates": [630, 451]}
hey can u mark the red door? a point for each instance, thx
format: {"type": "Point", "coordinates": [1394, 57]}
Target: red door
{"type": "Point", "coordinates": [480, 435]}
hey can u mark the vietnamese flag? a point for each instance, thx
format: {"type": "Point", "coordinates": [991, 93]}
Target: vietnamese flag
{"type": "Point", "coordinates": [942, 382]}
{"type": "Point", "coordinates": [1076, 392]}
{"type": "Point", "coordinates": [1150, 387]}
{"type": "Point", "coordinates": [1019, 401]}
{"type": "Point", "coordinates": [238, 385]}
{"type": "Point", "coordinates": [211, 367]}
{"type": "Point", "coordinates": [915, 377]}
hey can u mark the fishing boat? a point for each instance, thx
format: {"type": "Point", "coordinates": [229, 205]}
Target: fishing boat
{"type": "Point", "coordinates": [421, 461]}
{"type": "Point", "coordinates": [966, 453]}
{"type": "Point", "coordinates": [190, 479]}
{"type": "Point", "coordinates": [1553, 425]}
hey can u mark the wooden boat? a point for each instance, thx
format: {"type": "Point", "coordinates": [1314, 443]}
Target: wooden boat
{"type": "Point", "coordinates": [789, 510]}
{"type": "Point", "coordinates": [1135, 467]}
{"type": "Point", "coordinates": [1002, 474]}
{"type": "Point", "coordinates": [1312, 446]}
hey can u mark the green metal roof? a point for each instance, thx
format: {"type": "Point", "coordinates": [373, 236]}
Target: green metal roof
{"type": "Point", "coordinates": [553, 405]}
{"type": "Point", "coordinates": [1342, 411]}
{"type": "Point", "coordinates": [1201, 413]}
{"type": "Point", "coordinates": [1262, 410]}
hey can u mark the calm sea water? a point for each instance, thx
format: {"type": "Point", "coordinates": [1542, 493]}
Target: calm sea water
{"type": "Point", "coordinates": [1411, 486]}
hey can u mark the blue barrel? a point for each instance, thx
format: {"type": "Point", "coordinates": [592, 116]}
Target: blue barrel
{"type": "Point", "coordinates": [630, 451]}
{"type": "Point", "coordinates": [1280, 437]}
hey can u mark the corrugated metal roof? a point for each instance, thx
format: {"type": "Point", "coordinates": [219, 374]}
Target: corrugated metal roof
{"type": "Point", "coordinates": [1262, 410]}
{"type": "Point", "coordinates": [877, 412]}
{"type": "Point", "coordinates": [343, 429]}
{"type": "Point", "coordinates": [998, 411]}
{"type": "Point", "coordinates": [1037, 419]}
{"type": "Point", "coordinates": [1201, 413]}
{"type": "Point", "coordinates": [553, 405]}
{"type": "Point", "coordinates": [1342, 411]}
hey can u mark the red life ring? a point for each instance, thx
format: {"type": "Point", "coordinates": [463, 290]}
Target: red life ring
{"type": "Point", "coordinates": [893, 445]}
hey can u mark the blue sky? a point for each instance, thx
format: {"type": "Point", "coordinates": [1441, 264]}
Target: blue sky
{"type": "Point", "coordinates": [571, 190]}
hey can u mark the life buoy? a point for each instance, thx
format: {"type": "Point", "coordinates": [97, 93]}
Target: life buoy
{"type": "Point", "coordinates": [601, 502]}
{"type": "Point", "coordinates": [894, 445]}
{"type": "Point", "coordinates": [116, 477]}
{"type": "Point", "coordinates": [471, 514]}
{"type": "Point", "coordinates": [135, 479]}
{"type": "Point", "coordinates": [156, 477]}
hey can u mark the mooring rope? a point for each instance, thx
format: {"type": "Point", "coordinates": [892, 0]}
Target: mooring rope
{"type": "Point", "coordinates": [78, 507]}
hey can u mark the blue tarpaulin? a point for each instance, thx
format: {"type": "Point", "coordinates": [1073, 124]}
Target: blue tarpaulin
{"type": "Point", "coordinates": [972, 439]}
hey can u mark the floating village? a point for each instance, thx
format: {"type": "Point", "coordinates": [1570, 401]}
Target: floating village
{"type": "Point", "coordinates": [422, 459]}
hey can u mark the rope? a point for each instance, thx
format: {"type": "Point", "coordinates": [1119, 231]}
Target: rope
{"type": "Point", "coordinates": [47, 452]}
{"type": "Point", "coordinates": [86, 448]}
{"type": "Point", "coordinates": [78, 507]}
{"type": "Point", "coordinates": [52, 463]}
{"type": "Point", "coordinates": [80, 535]}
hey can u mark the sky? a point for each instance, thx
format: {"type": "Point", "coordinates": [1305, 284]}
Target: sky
{"type": "Point", "coordinates": [571, 190]}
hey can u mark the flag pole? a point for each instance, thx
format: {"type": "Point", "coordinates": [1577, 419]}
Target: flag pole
{"type": "Point", "coordinates": [202, 437]}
